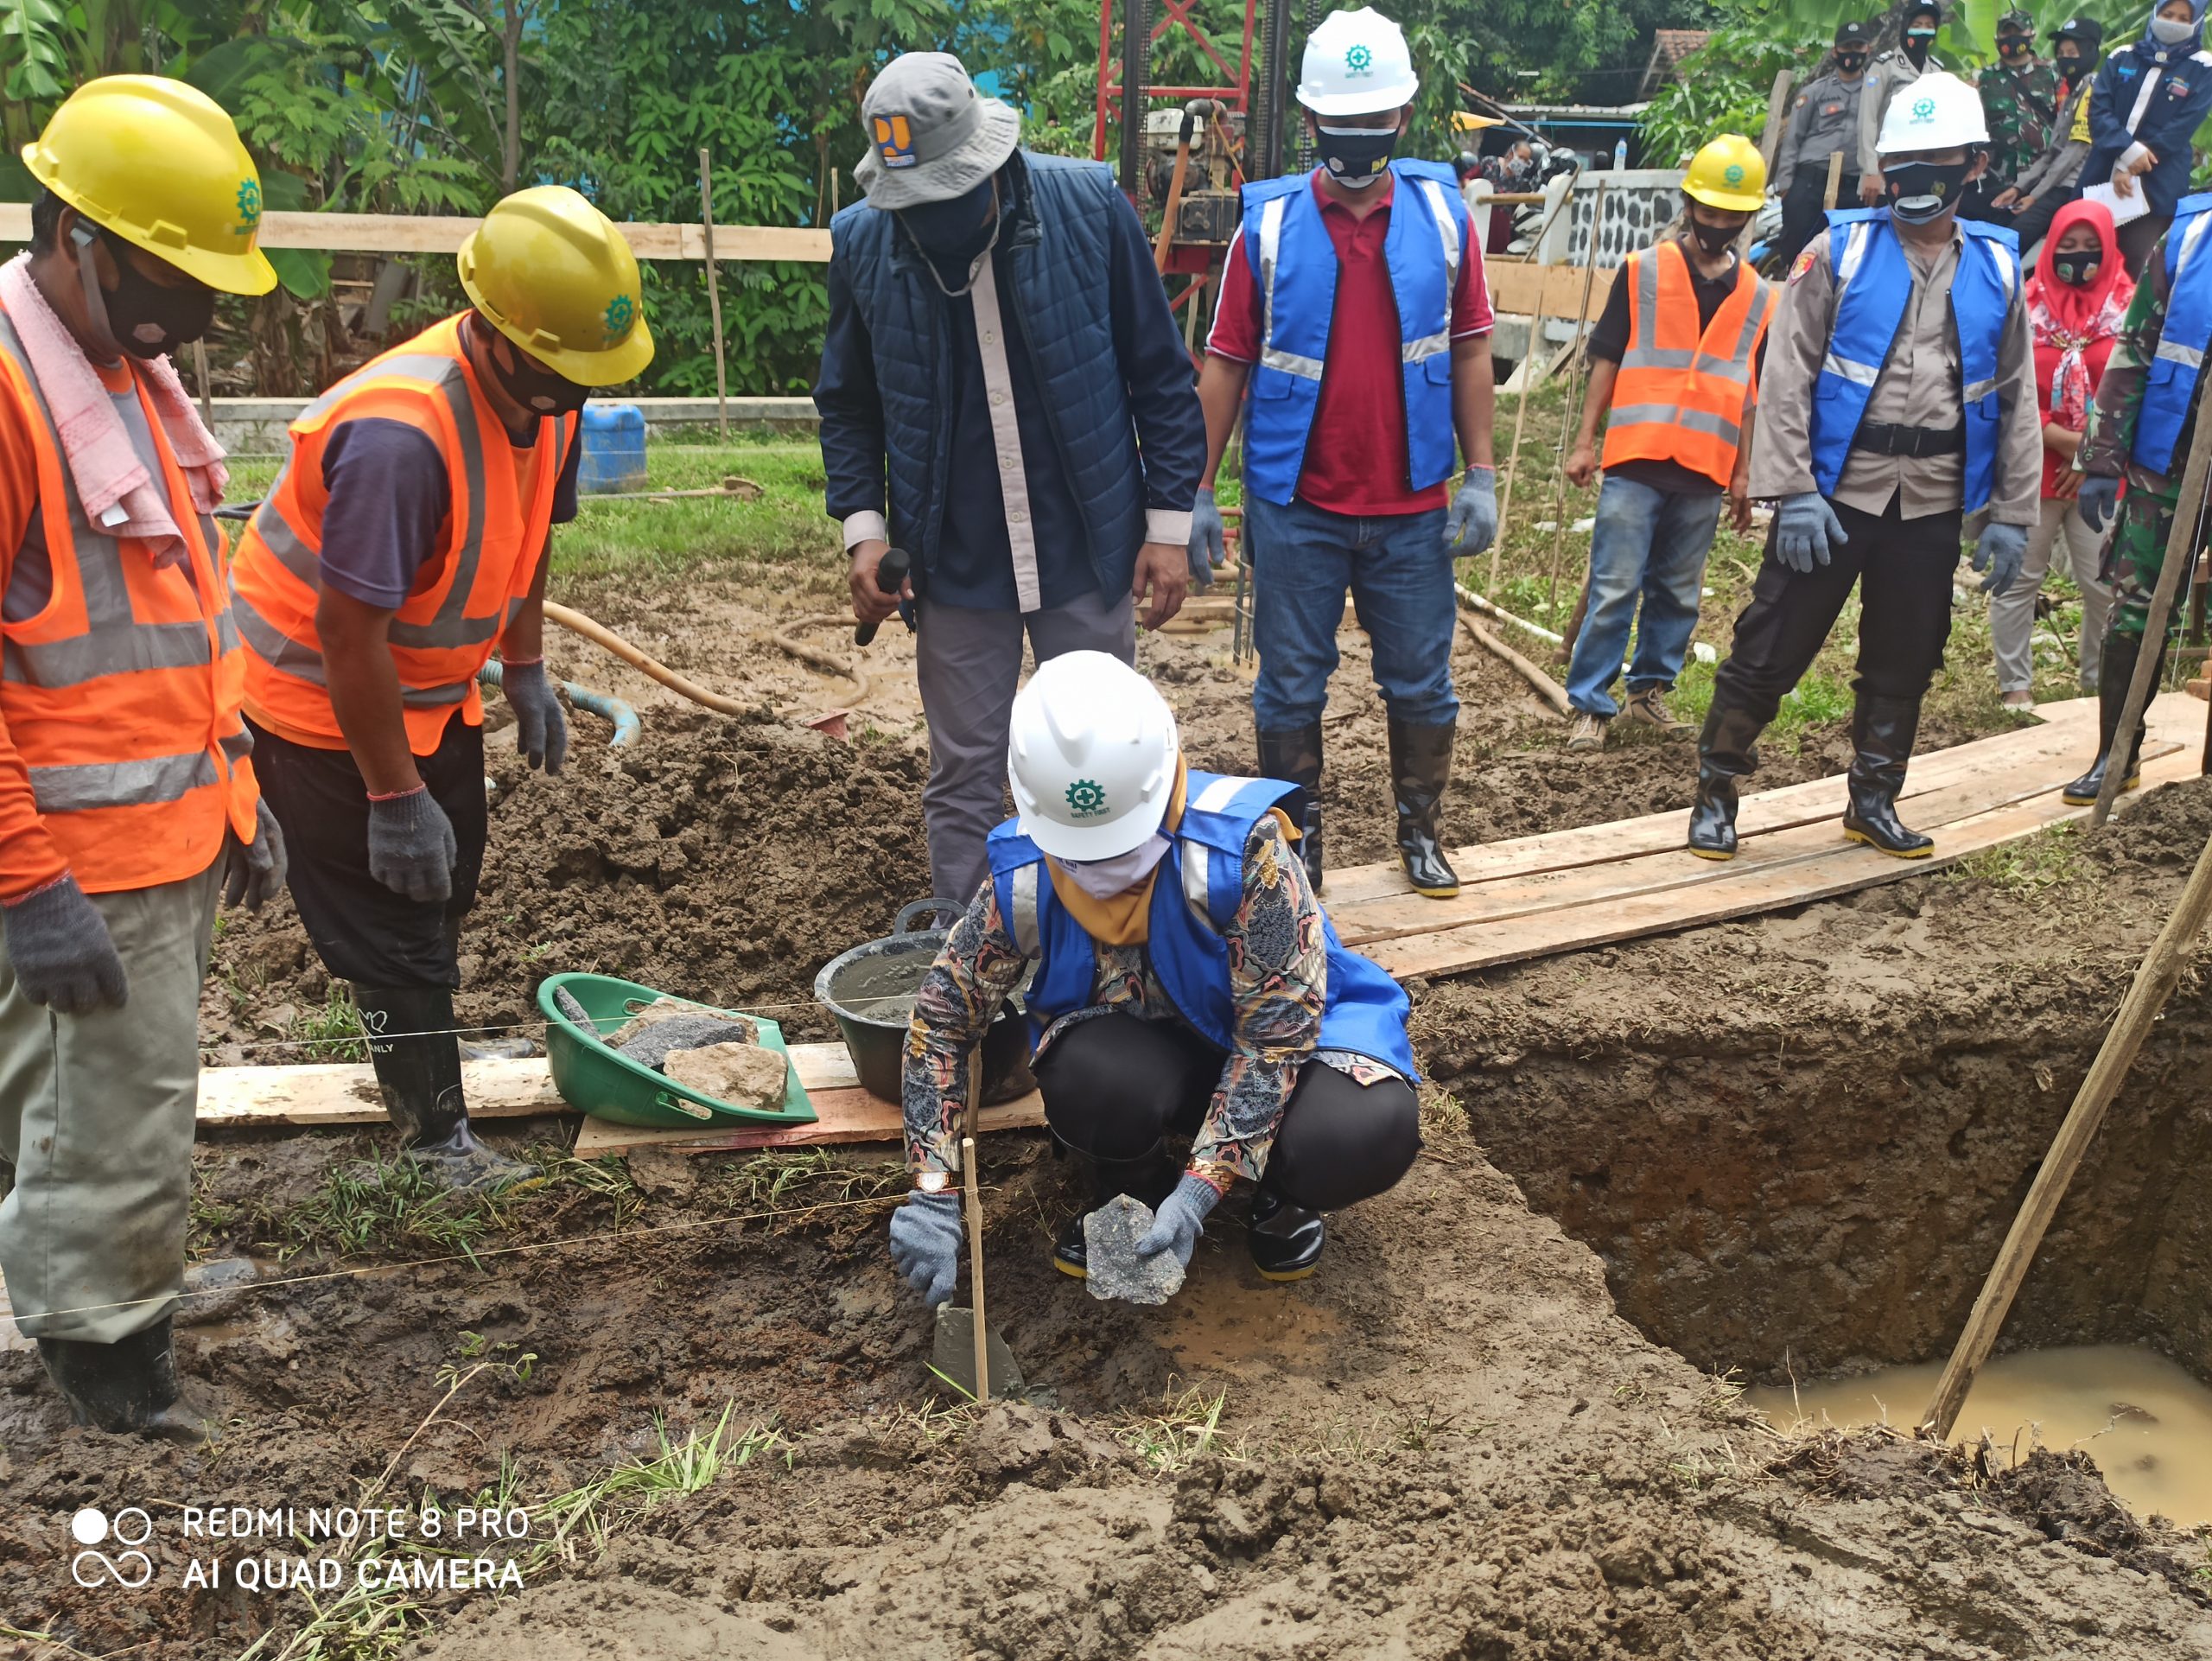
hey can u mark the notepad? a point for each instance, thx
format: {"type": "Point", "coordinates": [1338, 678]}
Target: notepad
{"type": "Point", "coordinates": [2122, 208]}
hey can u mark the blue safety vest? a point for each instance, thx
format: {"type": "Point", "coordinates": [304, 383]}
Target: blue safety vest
{"type": "Point", "coordinates": [1294, 266]}
{"type": "Point", "coordinates": [1873, 284]}
{"type": "Point", "coordinates": [2170, 382]}
{"type": "Point", "coordinates": [1195, 895]}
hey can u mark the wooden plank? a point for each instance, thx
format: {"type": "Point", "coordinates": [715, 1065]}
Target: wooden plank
{"type": "Point", "coordinates": [1520, 287]}
{"type": "Point", "coordinates": [847, 1116]}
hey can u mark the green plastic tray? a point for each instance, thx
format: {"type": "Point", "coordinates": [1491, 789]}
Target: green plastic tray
{"type": "Point", "coordinates": [607, 1084]}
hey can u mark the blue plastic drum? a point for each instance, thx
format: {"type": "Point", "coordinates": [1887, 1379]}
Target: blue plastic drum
{"type": "Point", "coordinates": [614, 449]}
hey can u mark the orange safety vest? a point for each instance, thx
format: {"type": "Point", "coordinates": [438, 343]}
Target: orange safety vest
{"type": "Point", "coordinates": [1679, 397]}
{"type": "Point", "coordinates": [466, 592]}
{"type": "Point", "coordinates": [121, 690]}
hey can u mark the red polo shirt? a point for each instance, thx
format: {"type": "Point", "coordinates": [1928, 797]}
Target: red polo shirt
{"type": "Point", "coordinates": [1355, 461]}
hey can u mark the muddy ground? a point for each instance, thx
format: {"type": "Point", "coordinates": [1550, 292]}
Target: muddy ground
{"type": "Point", "coordinates": [1500, 1423]}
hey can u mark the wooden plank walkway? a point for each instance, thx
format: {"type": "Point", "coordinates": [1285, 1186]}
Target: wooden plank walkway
{"type": "Point", "coordinates": [1528, 897]}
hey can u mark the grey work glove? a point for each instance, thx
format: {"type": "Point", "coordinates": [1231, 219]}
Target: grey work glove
{"type": "Point", "coordinates": [252, 871]}
{"type": "Point", "coordinates": [411, 846]}
{"type": "Point", "coordinates": [58, 946]}
{"type": "Point", "coordinates": [925, 1244]}
{"type": "Point", "coordinates": [1180, 1219]}
{"type": "Point", "coordinates": [541, 729]}
{"type": "Point", "coordinates": [2100, 496]}
{"type": "Point", "coordinates": [1807, 531]}
{"type": "Point", "coordinates": [1999, 552]}
{"type": "Point", "coordinates": [1208, 540]}
{"type": "Point", "coordinates": [1472, 525]}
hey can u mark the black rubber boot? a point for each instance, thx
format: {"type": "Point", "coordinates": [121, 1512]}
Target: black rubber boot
{"type": "Point", "coordinates": [1421, 767]}
{"type": "Point", "coordinates": [1882, 730]}
{"type": "Point", "coordinates": [418, 1062]}
{"type": "Point", "coordinates": [130, 1386]}
{"type": "Point", "coordinates": [1726, 752]}
{"type": "Point", "coordinates": [1295, 758]}
{"type": "Point", "coordinates": [1150, 1179]}
{"type": "Point", "coordinates": [2122, 652]}
{"type": "Point", "coordinates": [1285, 1240]}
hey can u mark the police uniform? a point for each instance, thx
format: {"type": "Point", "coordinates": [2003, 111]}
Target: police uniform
{"type": "Point", "coordinates": [1824, 120]}
{"type": "Point", "coordinates": [1883, 77]}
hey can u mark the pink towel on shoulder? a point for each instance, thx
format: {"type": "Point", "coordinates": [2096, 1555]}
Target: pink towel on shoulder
{"type": "Point", "coordinates": [121, 497]}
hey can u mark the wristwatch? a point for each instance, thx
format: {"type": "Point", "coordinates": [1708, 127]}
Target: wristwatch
{"type": "Point", "coordinates": [932, 1181]}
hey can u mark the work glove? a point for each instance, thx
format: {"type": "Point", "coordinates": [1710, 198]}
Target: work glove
{"type": "Point", "coordinates": [1179, 1220]}
{"type": "Point", "coordinates": [411, 847]}
{"type": "Point", "coordinates": [1473, 524]}
{"type": "Point", "coordinates": [1209, 547]}
{"type": "Point", "coordinates": [925, 1244]}
{"type": "Point", "coordinates": [1806, 532]}
{"type": "Point", "coordinates": [58, 946]}
{"type": "Point", "coordinates": [252, 871]}
{"type": "Point", "coordinates": [541, 730]}
{"type": "Point", "coordinates": [1999, 552]}
{"type": "Point", "coordinates": [2099, 495]}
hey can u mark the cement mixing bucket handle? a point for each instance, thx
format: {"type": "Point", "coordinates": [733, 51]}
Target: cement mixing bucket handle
{"type": "Point", "coordinates": [904, 924]}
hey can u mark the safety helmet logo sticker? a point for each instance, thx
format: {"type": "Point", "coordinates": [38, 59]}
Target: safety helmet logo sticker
{"type": "Point", "coordinates": [1923, 109]}
{"type": "Point", "coordinates": [1086, 800]}
{"type": "Point", "coordinates": [1360, 61]}
{"type": "Point", "coordinates": [1733, 173]}
{"type": "Point", "coordinates": [617, 318]}
{"type": "Point", "coordinates": [894, 141]}
{"type": "Point", "coordinates": [249, 204]}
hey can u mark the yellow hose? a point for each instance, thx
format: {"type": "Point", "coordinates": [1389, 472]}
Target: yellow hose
{"type": "Point", "coordinates": [600, 635]}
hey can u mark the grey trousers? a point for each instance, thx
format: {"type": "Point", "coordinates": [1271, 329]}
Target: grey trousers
{"type": "Point", "coordinates": [2013, 614]}
{"type": "Point", "coordinates": [96, 1124]}
{"type": "Point", "coordinates": [970, 666]}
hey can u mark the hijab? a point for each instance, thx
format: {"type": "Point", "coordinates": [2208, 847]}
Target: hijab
{"type": "Point", "coordinates": [2158, 52]}
{"type": "Point", "coordinates": [2067, 320]}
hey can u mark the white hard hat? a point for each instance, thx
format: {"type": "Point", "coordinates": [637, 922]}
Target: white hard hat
{"type": "Point", "coordinates": [1091, 757]}
{"type": "Point", "coordinates": [1357, 63]}
{"type": "Point", "coordinates": [1939, 111]}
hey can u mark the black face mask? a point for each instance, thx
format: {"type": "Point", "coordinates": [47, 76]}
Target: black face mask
{"type": "Point", "coordinates": [954, 230]}
{"type": "Point", "coordinates": [1715, 239]}
{"type": "Point", "coordinates": [144, 318]}
{"type": "Point", "coordinates": [1851, 63]}
{"type": "Point", "coordinates": [539, 390]}
{"type": "Point", "coordinates": [1923, 192]}
{"type": "Point", "coordinates": [1356, 157]}
{"type": "Point", "coordinates": [2077, 270]}
{"type": "Point", "coordinates": [2012, 50]}
{"type": "Point", "coordinates": [1917, 42]}
{"type": "Point", "coordinates": [2070, 68]}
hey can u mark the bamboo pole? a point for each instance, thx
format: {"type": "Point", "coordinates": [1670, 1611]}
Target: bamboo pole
{"type": "Point", "coordinates": [1551, 692]}
{"type": "Point", "coordinates": [1574, 409]}
{"type": "Point", "coordinates": [2155, 980]}
{"type": "Point", "coordinates": [1526, 374]}
{"type": "Point", "coordinates": [206, 386]}
{"type": "Point", "coordinates": [1835, 180]}
{"type": "Point", "coordinates": [713, 289]}
{"type": "Point", "coordinates": [972, 1188]}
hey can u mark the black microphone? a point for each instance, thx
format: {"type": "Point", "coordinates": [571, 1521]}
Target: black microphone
{"type": "Point", "coordinates": [890, 576]}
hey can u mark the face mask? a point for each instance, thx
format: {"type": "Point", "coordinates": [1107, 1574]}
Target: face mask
{"type": "Point", "coordinates": [956, 228]}
{"type": "Point", "coordinates": [1851, 64]}
{"type": "Point", "coordinates": [1917, 42]}
{"type": "Point", "coordinates": [1356, 156]}
{"type": "Point", "coordinates": [2011, 49]}
{"type": "Point", "coordinates": [1102, 879]}
{"type": "Point", "coordinates": [2170, 31]}
{"type": "Point", "coordinates": [2070, 68]}
{"type": "Point", "coordinates": [2078, 270]}
{"type": "Point", "coordinates": [1715, 239]}
{"type": "Point", "coordinates": [140, 316]}
{"type": "Point", "coordinates": [1923, 192]}
{"type": "Point", "coordinates": [539, 390]}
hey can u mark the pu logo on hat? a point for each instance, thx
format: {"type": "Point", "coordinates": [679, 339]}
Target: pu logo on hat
{"type": "Point", "coordinates": [1923, 109]}
{"type": "Point", "coordinates": [617, 317]}
{"type": "Point", "coordinates": [1086, 798]}
{"type": "Point", "coordinates": [249, 205]}
{"type": "Point", "coordinates": [894, 141]}
{"type": "Point", "coordinates": [1733, 174]}
{"type": "Point", "coordinates": [1359, 60]}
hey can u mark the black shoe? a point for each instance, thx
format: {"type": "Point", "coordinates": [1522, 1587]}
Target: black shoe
{"type": "Point", "coordinates": [1725, 753]}
{"type": "Point", "coordinates": [130, 1386]}
{"type": "Point", "coordinates": [416, 1057]}
{"type": "Point", "coordinates": [1285, 1240]}
{"type": "Point", "coordinates": [1882, 731]}
{"type": "Point", "coordinates": [2114, 674]}
{"type": "Point", "coordinates": [1421, 767]}
{"type": "Point", "coordinates": [1070, 1253]}
{"type": "Point", "coordinates": [1150, 1179]}
{"type": "Point", "coordinates": [1295, 758]}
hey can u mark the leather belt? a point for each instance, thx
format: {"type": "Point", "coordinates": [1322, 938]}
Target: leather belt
{"type": "Point", "coordinates": [1886, 438]}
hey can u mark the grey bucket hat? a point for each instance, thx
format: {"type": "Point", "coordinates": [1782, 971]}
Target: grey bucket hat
{"type": "Point", "coordinates": [931, 135]}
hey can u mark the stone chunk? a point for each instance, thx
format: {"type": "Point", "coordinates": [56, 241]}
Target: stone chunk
{"type": "Point", "coordinates": [743, 1075]}
{"type": "Point", "coordinates": [651, 1046]}
{"type": "Point", "coordinates": [1109, 1237]}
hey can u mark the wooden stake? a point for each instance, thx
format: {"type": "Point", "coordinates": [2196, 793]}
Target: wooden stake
{"type": "Point", "coordinates": [1527, 372]}
{"type": "Point", "coordinates": [2181, 553]}
{"type": "Point", "coordinates": [1574, 404]}
{"type": "Point", "coordinates": [1777, 100]}
{"type": "Point", "coordinates": [1174, 197]}
{"type": "Point", "coordinates": [714, 290]}
{"type": "Point", "coordinates": [971, 1186]}
{"type": "Point", "coordinates": [1835, 179]}
{"type": "Point", "coordinates": [206, 386]}
{"type": "Point", "coordinates": [2154, 981]}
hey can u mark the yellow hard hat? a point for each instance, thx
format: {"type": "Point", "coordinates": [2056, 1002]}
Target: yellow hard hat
{"type": "Point", "coordinates": [1728, 173]}
{"type": "Point", "coordinates": [551, 273]}
{"type": "Point", "coordinates": [160, 164]}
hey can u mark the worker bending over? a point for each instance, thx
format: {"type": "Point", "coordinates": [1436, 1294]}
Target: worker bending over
{"type": "Point", "coordinates": [2140, 428]}
{"type": "Point", "coordinates": [1674, 369]}
{"type": "Point", "coordinates": [126, 795]}
{"type": "Point", "coordinates": [405, 540]}
{"type": "Point", "coordinates": [1187, 982]}
{"type": "Point", "coordinates": [1354, 314]}
{"type": "Point", "coordinates": [1899, 396]}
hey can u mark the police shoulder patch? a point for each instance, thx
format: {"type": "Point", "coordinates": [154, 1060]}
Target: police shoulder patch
{"type": "Point", "coordinates": [1804, 265]}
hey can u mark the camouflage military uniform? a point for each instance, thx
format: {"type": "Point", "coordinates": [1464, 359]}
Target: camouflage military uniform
{"type": "Point", "coordinates": [2019, 105]}
{"type": "Point", "coordinates": [2138, 549]}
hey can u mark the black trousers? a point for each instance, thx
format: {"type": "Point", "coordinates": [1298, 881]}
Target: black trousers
{"type": "Point", "coordinates": [1904, 568]}
{"type": "Point", "coordinates": [1114, 1085]}
{"type": "Point", "coordinates": [364, 931]}
{"type": "Point", "coordinates": [2140, 236]}
{"type": "Point", "coordinates": [1801, 209]}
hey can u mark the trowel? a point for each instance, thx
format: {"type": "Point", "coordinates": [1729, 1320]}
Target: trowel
{"type": "Point", "coordinates": [968, 1353]}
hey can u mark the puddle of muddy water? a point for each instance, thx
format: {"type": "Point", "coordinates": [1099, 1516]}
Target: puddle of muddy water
{"type": "Point", "coordinates": [2143, 1418]}
{"type": "Point", "coordinates": [1232, 1319]}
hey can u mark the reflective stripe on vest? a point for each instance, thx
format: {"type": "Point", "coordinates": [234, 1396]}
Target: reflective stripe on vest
{"type": "Point", "coordinates": [1874, 283]}
{"type": "Point", "coordinates": [1295, 269]}
{"type": "Point", "coordinates": [2170, 380]}
{"type": "Point", "coordinates": [1678, 393]}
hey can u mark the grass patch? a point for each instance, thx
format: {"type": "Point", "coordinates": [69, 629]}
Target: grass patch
{"type": "Point", "coordinates": [333, 1030]}
{"type": "Point", "coordinates": [770, 1181]}
{"type": "Point", "coordinates": [1186, 1428]}
{"type": "Point", "coordinates": [2048, 860]}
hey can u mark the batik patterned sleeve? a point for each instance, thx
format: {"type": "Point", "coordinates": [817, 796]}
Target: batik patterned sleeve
{"type": "Point", "coordinates": [2119, 403]}
{"type": "Point", "coordinates": [1279, 980]}
{"type": "Point", "coordinates": [959, 997]}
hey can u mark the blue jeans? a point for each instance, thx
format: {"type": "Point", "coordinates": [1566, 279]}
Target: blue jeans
{"type": "Point", "coordinates": [1400, 574]}
{"type": "Point", "coordinates": [1651, 543]}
